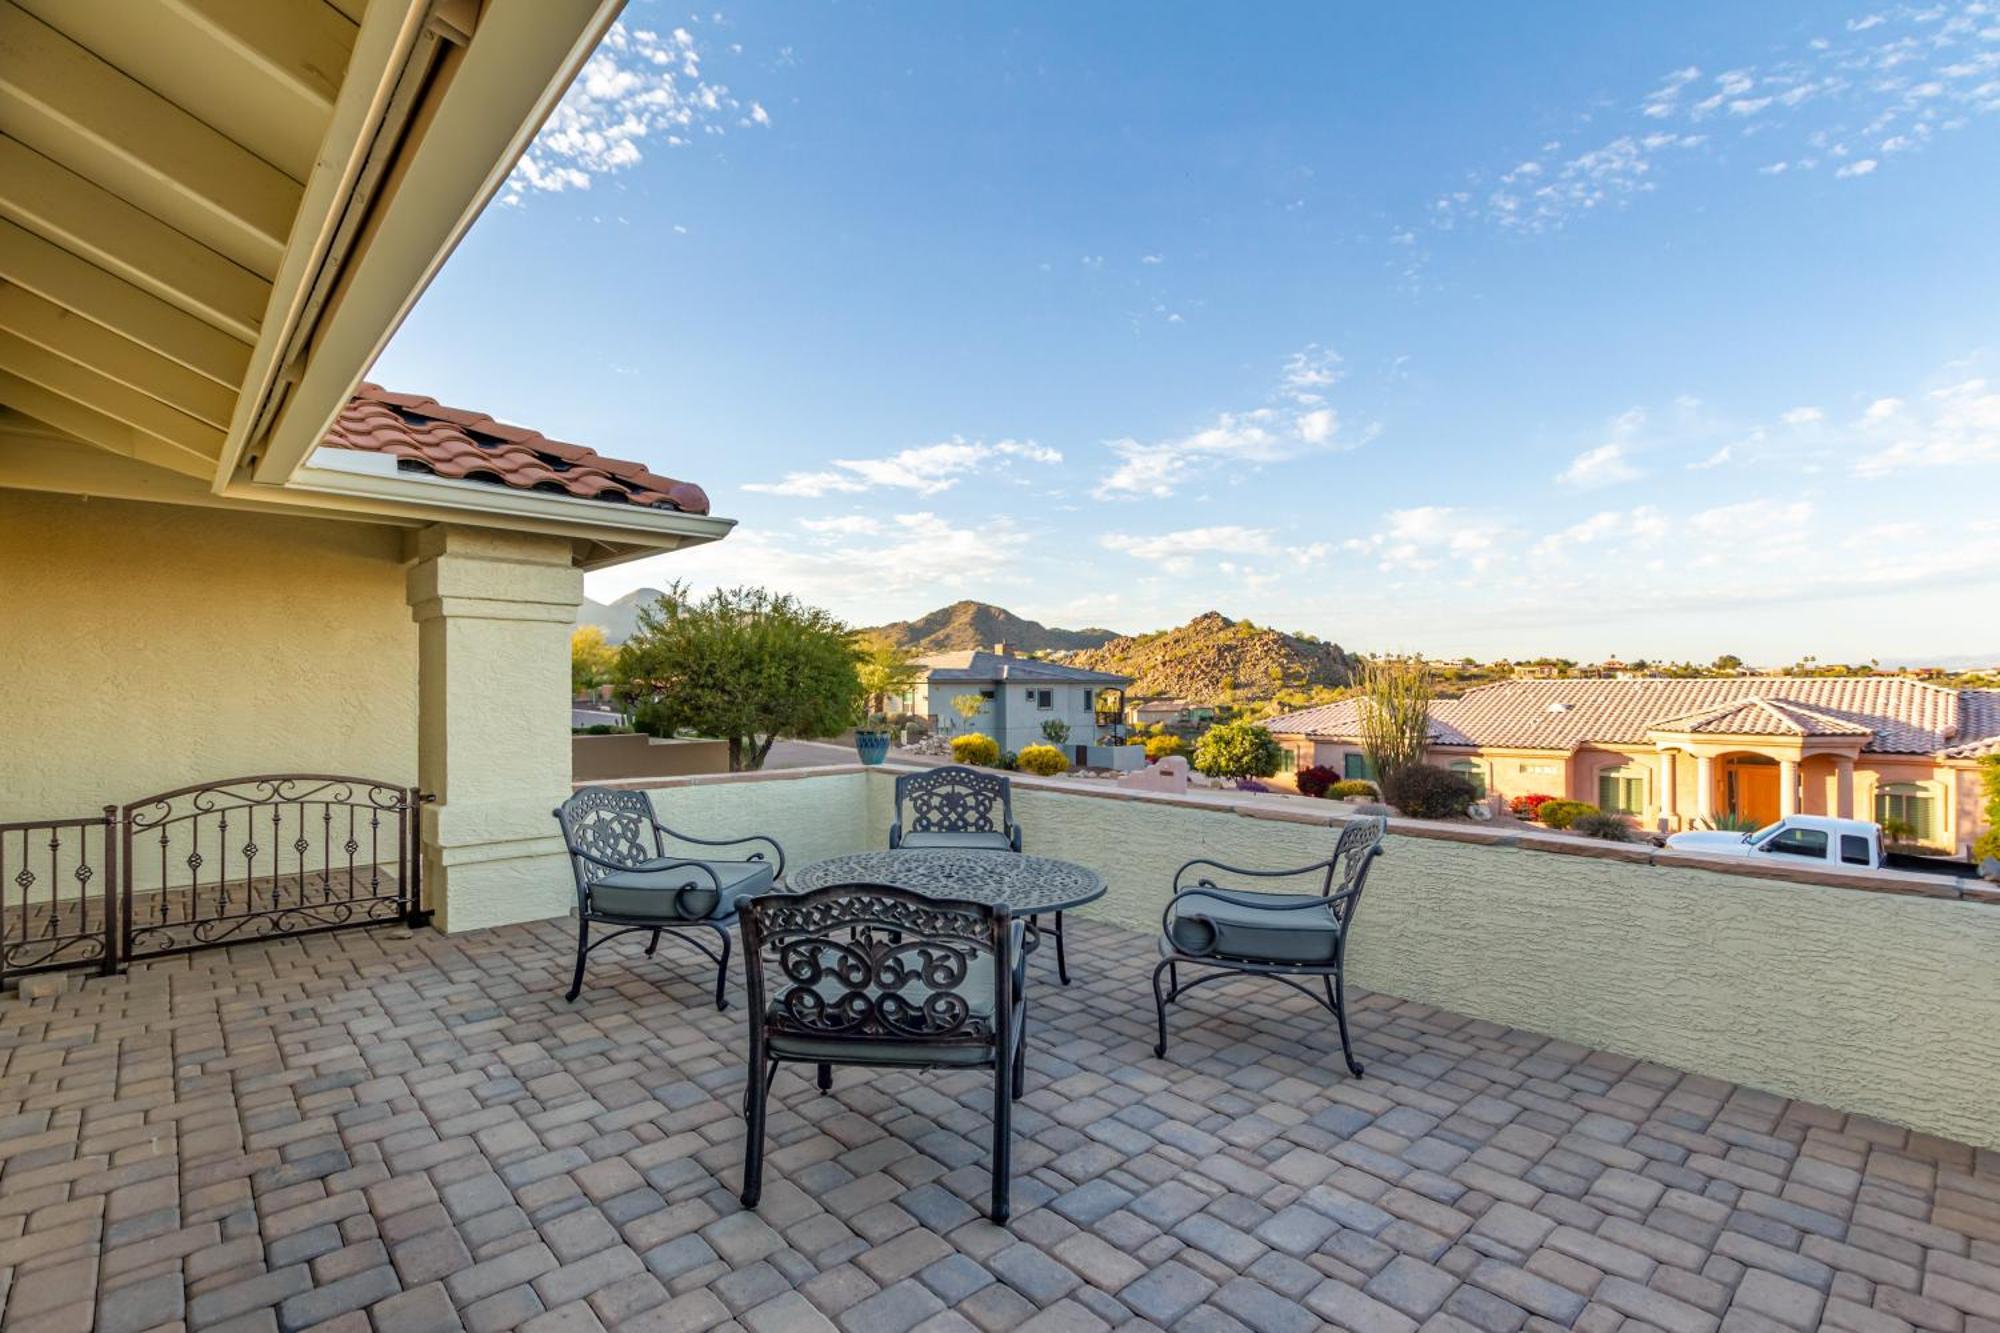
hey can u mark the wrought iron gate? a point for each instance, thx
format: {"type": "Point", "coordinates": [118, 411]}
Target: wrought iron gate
{"type": "Point", "coordinates": [257, 857]}
{"type": "Point", "coordinates": [58, 894]}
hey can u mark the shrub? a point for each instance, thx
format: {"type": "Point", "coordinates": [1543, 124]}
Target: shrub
{"type": "Point", "coordinates": [1730, 822]}
{"type": "Point", "coordinates": [1237, 750]}
{"type": "Point", "coordinates": [1042, 760]}
{"type": "Point", "coordinates": [1561, 814]}
{"type": "Point", "coordinates": [1159, 747]}
{"type": "Point", "coordinates": [1315, 781]}
{"type": "Point", "coordinates": [1988, 843]}
{"type": "Point", "coordinates": [1394, 714]}
{"type": "Point", "coordinates": [1009, 761]}
{"type": "Point", "coordinates": [975, 749]}
{"type": "Point", "coordinates": [1425, 791]}
{"type": "Point", "coordinates": [1897, 832]}
{"type": "Point", "coordinates": [1528, 807]}
{"type": "Point", "coordinates": [1349, 788]}
{"type": "Point", "coordinates": [1055, 731]}
{"type": "Point", "coordinates": [1599, 824]}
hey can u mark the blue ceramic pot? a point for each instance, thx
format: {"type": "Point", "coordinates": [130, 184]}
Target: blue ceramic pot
{"type": "Point", "coordinates": [872, 746]}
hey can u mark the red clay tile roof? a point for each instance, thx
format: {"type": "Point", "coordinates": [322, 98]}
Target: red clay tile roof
{"type": "Point", "coordinates": [1900, 716]}
{"type": "Point", "coordinates": [422, 433]}
{"type": "Point", "coordinates": [1979, 729]}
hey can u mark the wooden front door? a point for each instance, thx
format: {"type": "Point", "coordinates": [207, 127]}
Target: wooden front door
{"type": "Point", "coordinates": [1752, 791]}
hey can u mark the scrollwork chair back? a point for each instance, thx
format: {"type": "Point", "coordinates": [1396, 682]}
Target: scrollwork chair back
{"type": "Point", "coordinates": [608, 826]}
{"type": "Point", "coordinates": [957, 800]}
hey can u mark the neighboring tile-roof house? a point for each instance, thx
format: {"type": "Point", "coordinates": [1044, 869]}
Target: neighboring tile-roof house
{"type": "Point", "coordinates": [422, 433]}
{"type": "Point", "coordinates": [1979, 725]}
{"type": "Point", "coordinates": [977, 664]}
{"type": "Point", "coordinates": [1898, 715]}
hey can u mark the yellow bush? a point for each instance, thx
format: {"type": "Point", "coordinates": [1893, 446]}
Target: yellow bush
{"type": "Point", "coordinates": [975, 749]}
{"type": "Point", "coordinates": [1043, 761]}
{"type": "Point", "coordinates": [1159, 747]}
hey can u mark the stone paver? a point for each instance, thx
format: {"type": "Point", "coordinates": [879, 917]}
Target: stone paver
{"type": "Point", "coordinates": [372, 1134]}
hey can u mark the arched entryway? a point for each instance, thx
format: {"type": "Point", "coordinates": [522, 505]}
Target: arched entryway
{"type": "Point", "coordinates": [1747, 786]}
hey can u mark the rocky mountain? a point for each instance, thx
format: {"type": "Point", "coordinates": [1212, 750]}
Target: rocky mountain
{"type": "Point", "coordinates": [616, 618]}
{"type": "Point", "coordinates": [1213, 659]}
{"type": "Point", "coordinates": [964, 625]}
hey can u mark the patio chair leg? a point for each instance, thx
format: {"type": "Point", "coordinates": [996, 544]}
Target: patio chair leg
{"type": "Point", "coordinates": [1062, 957]}
{"type": "Point", "coordinates": [1021, 1060]}
{"type": "Point", "coordinates": [653, 946]}
{"type": "Point", "coordinates": [826, 1078]}
{"type": "Point", "coordinates": [753, 1143]}
{"type": "Point", "coordinates": [1160, 1007]}
{"type": "Point", "coordinates": [582, 949]}
{"type": "Point", "coordinates": [722, 971]}
{"type": "Point", "coordinates": [1003, 1136]}
{"type": "Point", "coordinates": [1339, 983]}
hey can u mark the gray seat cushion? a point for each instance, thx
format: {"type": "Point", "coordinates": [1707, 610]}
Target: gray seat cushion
{"type": "Point", "coordinates": [958, 842]}
{"type": "Point", "coordinates": [1224, 927]}
{"type": "Point", "coordinates": [677, 891]}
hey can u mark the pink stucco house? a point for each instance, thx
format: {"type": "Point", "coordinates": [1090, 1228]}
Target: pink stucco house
{"type": "Point", "coordinates": [1881, 747]}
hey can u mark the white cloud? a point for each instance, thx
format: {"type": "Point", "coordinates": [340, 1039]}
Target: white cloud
{"type": "Point", "coordinates": [1802, 416]}
{"type": "Point", "coordinates": [927, 469]}
{"type": "Point", "coordinates": [1606, 465]}
{"type": "Point", "coordinates": [1174, 552]}
{"type": "Point", "coordinates": [1300, 424]}
{"type": "Point", "coordinates": [1610, 463]}
{"type": "Point", "coordinates": [1954, 425]}
{"type": "Point", "coordinates": [1888, 85]}
{"type": "Point", "coordinates": [1318, 425]}
{"type": "Point", "coordinates": [920, 557]}
{"type": "Point", "coordinates": [639, 87]}
{"type": "Point", "coordinates": [1428, 536]}
{"type": "Point", "coordinates": [1643, 526]}
{"type": "Point", "coordinates": [846, 525]}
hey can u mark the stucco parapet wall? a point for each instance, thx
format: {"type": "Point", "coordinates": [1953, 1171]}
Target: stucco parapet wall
{"type": "Point", "coordinates": [1295, 810]}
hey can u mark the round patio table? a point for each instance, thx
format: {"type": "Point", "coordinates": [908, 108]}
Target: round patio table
{"type": "Point", "coordinates": [1024, 885]}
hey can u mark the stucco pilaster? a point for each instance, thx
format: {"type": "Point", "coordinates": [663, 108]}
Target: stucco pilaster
{"type": "Point", "coordinates": [493, 613]}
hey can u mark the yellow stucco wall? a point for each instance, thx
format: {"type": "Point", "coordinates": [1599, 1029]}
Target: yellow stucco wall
{"type": "Point", "coordinates": [147, 646]}
{"type": "Point", "coordinates": [1871, 1002]}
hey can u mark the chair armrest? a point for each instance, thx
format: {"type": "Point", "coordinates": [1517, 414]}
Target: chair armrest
{"type": "Point", "coordinates": [895, 835]}
{"type": "Point", "coordinates": [1316, 866]}
{"type": "Point", "coordinates": [1014, 836]}
{"type": "Point", "coordinates": [772, 843]}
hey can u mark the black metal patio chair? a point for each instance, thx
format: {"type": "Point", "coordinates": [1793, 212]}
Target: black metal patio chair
{"type": "Point", "coordinates": [1284, 936]}
{"type": "Point", "coordinates": [955, 808]}
{"type": "Point", "coordinates": [628, 878]}
{"type": "Point", "coordinates": [863, 974]}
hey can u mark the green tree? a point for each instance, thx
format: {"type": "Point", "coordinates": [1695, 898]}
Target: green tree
{"type": "Point", "coordinates": [744, 664]}
{"type": "Point", "coordinates": [1237, 750]}
{"type": "Point", "coordinates": [1729, 662]}
{"type": "Point", "coordinates": [1395, 714]}
{"type": "Point", "coordinates": [591, 659]}
{"type": "Point", "coordinates": [886, 670]}
{"type": "Point", "coordinates": [967, 706]}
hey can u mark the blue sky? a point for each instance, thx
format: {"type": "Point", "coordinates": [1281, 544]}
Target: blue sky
{"type": "Point", "coordinates": [1662, 331]}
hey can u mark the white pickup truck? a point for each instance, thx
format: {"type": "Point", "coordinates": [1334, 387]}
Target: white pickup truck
{"type": "Point", "coordinates": [1851, 843]}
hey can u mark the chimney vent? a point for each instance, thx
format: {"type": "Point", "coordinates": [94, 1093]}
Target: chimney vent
{"type": "Point", "coordinates": [1003, 650]}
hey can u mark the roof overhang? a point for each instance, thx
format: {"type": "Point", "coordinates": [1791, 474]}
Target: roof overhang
{"type": "Point", "coordinates": [213, 216]}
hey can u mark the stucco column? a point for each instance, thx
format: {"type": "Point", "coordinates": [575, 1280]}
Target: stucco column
{"type": "Point", "coordinates": [1788, 786]}
{"type": "Point", "coordinates": [1843, 786]}
{"type": "Point", "coordinates": [1669, 786]}
{"type": "Point", "coordinates": [493, 613]}
{"type": "Point", "coordinates": [1704, 786]}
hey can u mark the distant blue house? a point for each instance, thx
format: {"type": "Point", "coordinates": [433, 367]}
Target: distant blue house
{"type": "Point", "coordinates": [1017, 695]}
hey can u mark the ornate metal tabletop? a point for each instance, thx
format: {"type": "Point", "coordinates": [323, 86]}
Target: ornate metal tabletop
{"type": "Point", "coordinates": [1022, 884]}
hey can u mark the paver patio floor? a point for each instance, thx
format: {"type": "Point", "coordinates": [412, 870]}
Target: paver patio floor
{"type": "Point", "coordinates": [363, 1131]}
